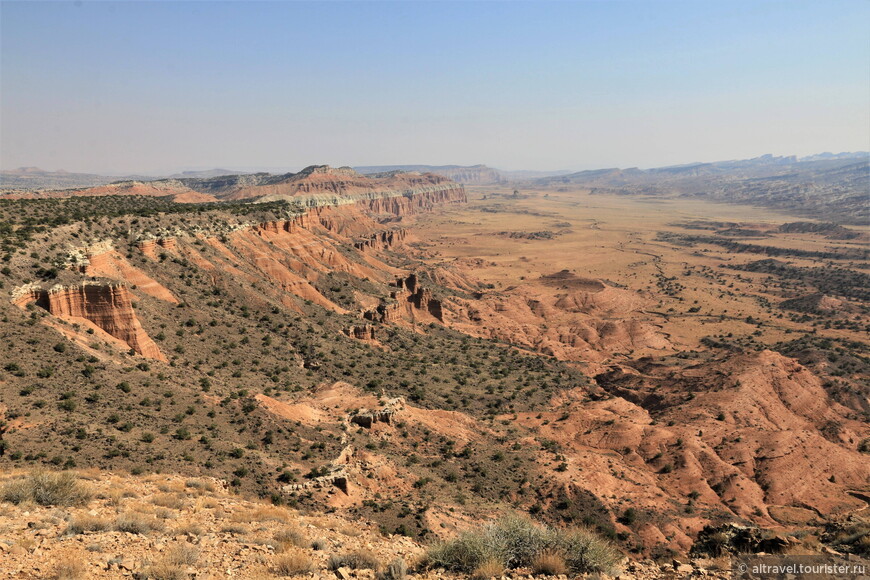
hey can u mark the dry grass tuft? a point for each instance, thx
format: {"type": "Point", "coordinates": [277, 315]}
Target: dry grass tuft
{"type": "Point", "coordinates": [292, 563]}
{"type": "Point", "coordinates": [165, 514]}
{"type": "Point", "coordinates": [86, 523]}
{"type": "Point", "coordinates": [69, 568]}
{"type": "Point", "coordinates": [173, 565]}
{"type": "Point", "coordinates": [182, 555]}
{"type": "Point", "coordinates": [47, 488]}
{"type": "Point", "coordinates": [261, 514]}
{"type": "Point", "coordinates": [169, 500]}
{"type": "Point", "coordinates": [188, 528]}
{"type": "Point", "coordinates": [350, 531]}
{"type": "Point", "coordinates": [170, 487]}
{"type": "Point", "coordinates": [114, 497]}
{"type": "Point", "coordinates": [319, 544]}
{"type": "Point", "coordinates": [209, 503]}
{"type": "Point", "coordinates": [489, 568]}
{"type": "Point", "coordinates": [200, 485]}
{"type": "Point", "coordinates": [235, 529]}
{"type": "Point", "coordinates": [289, 538]}
{"type": "Point", "coordinates": [163, 571]}
{"type": "Point", "coordinates": [395, 570]}
{"type": "Point", "coordinates": [549, 563]}
{"type": "Point", "coordinates": [136, 523]}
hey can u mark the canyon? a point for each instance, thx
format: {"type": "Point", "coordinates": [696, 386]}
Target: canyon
{"type": "Point", "coordinates": [377, 346]}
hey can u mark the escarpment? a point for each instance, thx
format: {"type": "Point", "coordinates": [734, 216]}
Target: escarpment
{"type": "Point", "coordinates": [321, 185]}
{"type": "Point", "coordinates": [108, 307]}
{"type": "Point", "coordinates": [414, 201]}
{"type": "Point", "coordinates": [393, 202]}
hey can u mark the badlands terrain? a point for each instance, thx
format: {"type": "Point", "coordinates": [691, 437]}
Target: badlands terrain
{"type": "Point", "coordinates": [404, 356]}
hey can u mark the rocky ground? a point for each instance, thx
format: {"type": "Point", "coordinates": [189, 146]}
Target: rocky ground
{"type": "Point", "coordinates": [168, 527]}
{"type": "Point", "coordinates": [143, 527]}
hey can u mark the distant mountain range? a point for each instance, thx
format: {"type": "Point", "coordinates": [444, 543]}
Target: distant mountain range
{"type": "Point", "coordinates": [313, 186]}
{"type": "Point", "coordinates": [833, 186]}
{"type": "Point", "coordinates": [825, 186]}
{"type": "Point", "coordinates": [36, 178]}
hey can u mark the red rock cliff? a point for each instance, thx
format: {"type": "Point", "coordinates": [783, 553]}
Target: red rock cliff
{"type": "Point", "coordinates": [107, 306]}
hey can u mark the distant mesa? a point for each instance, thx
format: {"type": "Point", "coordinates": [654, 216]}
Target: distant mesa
{"type": "Point", "coordinates": [466, 174]}
{"type": "Point", "coordinates": [207, 173]}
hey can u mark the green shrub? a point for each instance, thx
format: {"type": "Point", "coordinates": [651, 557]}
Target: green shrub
{"type": "Point", "coordinates": [628, 517]}
{"type": "Point", "coordinates": [515, 542]}
{"type": "Point", "coordinates": [462, 554]}
{"type": "Point", "coordinates": [586, 551]}
{"type": "Point", "coordinates": [136, 523]}
{"type": "Point", "coordinates": [518, 540]}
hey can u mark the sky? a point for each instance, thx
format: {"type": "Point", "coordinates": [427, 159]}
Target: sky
{"type": "Point", "coordinates": [157, 87]}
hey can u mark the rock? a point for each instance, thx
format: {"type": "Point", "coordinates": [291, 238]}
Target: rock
{"type": "Point", "coordinates": [127, 564]}
{"type": "Point", "coordinates": [343, 573]}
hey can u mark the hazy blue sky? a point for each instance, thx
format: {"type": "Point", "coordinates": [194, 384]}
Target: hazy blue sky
{"type": "Point", "coordinates": [160, 86]}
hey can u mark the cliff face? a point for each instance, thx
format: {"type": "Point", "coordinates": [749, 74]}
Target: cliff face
{"type": "Point", "coordinates": [107, 306]}
{"type": "Point", "coordinates": [413, 201]}
{"type": "Point", "coordinates": [295, 253]}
